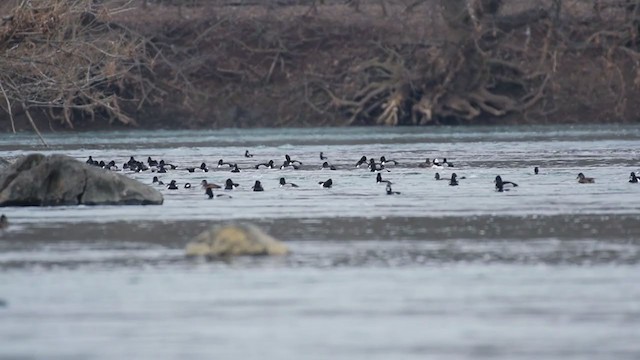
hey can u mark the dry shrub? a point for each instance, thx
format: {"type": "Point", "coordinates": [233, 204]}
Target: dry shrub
{"type": "Point", "coordinates": [61, 57]}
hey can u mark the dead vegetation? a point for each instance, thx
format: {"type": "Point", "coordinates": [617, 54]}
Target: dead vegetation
{"type": "Point", "coordinates": [387, 62]}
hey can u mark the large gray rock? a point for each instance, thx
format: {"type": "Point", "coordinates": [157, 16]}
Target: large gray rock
{"type": "Point", "coordinates": [38, 180]}
{"type": "Point", "coordinates": [234, 240]}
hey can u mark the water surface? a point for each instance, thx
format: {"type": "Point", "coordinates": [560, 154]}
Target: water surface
{"type": "Point", "coordinates": [547, 270]}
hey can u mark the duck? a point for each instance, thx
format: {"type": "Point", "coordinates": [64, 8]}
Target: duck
{"type": "Point", "coordinates": [203, 167]}
{"type": "Point", "coordinates": [373, 167]}
{"type": "Point", "coordinates": [379, 179]}
{"type": "Point", "coordinates": [235, 169]}
{"type": "Point", "coordinates": [322, 157]}
{"type": "Point", "coordinates": [207, 185]}
{"type": "Point", "coordinates": [230, 185]}
{"type": "Point", "coordinates": [157, 181]}
{"type": "Point", "coordinates": [4, 222]}
{"type": "Point", "coordinates": [211, 195]}
{"type": "Point", "coordinates": [112, 166]}
{"type": "Point", "coordinates": [284, 183]}
{"type": "Point", "coordinates": [90, 161]}
{"type": "Point", "coordinates": [445, 163]}
{"type": "Point", "coordinates": [326, 165]}
{"type": "Point", "coordinates": [161, 170]}
{"type": "Point", "coordinates": [500, 184]}
{"type": "Point", "coordinates": [287, 164]}
{"type": "Point", "coordinates": [326, 184]}
{"type": "Point", "coordinates": [438, 177]}
{"type": "Point", "coordinates": [151, 162]}
{"type": "Point", "coordinates": [536, 170]}
{"type": "Point", "coordinates": [363, 160]}
{"type": "Point", "coordinates": [390, 191]}
{"type": "Point", "coordinates": [633, 178]}
{"type": "Point", "coordinates": [585, 180]}
{"type": "Point", "coordinates": [247, 154]}
{"type": "Point", "coordinates": [268, 165]}
{"type": "Point", "coordinates": [435, 164]}
{"type": "Point", "coordinates": [221, 163]}
{"type": "Point", "coordinates": [384, 161]}
{"type": "Point", "coordinates": [187, 185]}
{"type": "Point", "coordinates": [454, 180]}
{"type": "Point", "coordinates": [257, 186]}
{"type": "Point", "coordinates": [426, 163]}
{"type": "Point", "coordinates": [291, 162]}
{"type": "Point", "coordinates": [162, 163]}
{"type": "Point", "coordinates": [172, 185]}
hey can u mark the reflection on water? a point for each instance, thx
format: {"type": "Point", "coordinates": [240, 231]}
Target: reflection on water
{"type": "Point", "coordinates": [548, 270]}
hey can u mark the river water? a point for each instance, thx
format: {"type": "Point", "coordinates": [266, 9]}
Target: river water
{"type": "Point", "coordinates": [548, 270]}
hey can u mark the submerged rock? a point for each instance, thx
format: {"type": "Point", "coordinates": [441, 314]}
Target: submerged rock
{"type": "Point", "coordinates": [235, 240]}
{"type": "Point", "coordinates": [38, 180]}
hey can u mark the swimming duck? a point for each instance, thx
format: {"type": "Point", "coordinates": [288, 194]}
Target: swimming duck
{"type": "Point", "coordinates": [112, 166]}
{"type": "Point", "coordinates": [384, 161]}
{"type": "Point", "coordinates": [390, 191]}
{"type": "Point", "coordinates": [172, 185]}
{"type": "Point", "coordinates": [247, 155]}
{"type": "Point", "coordinates": [207, 185]}
{"type": "Point", "coordinates": [326, 184]}
{"type": "Point", "coordinates": [211, 195]}
{"type": "Point", "coordinates": [445, 163]}
{"type": "Point", "coordinates": [235, 169]}
{"type": "Point", "coordinates": [363, 160]}
{"type": "Point", "coordinates": [284, 183]}
{"type": "Point", "coordinates": [221, 163]}
{"type": "Point", "coordinates": [4, 222]}
{"type": "Point", "coordinates": [585, 180]}
{"type": "Point", "coordinates": [257, 186]}
{"type": "Point", "coordinates": [157, 181]}
{"type": "Point", "coordinates": [454, 180]}
{"type": "Point", "coordinates": [373, 167]}
{"type": "Point", "coordinates": [164, 164]}
{"type": "Point", "coordinates": [379, 179]}
{"type": "Point", "coordinates": [536, 170]}
{"type": "Point", "coordinates": [633, 178]}
{"type": "Point", "coordinates": [268, 165]}
{"type": "Point", "coordinates": [500, 184]}
{"type": "Point", "coordinates": [90, 161]}
{"type": "Point", "coordinates": [438, 177]}
{"type": "Point", "coordinates": [162, 170]}
{"type": "Point", "coordinates": [325, 165]}
{"type": "Point", "coordinates": [426, 163]}
{"type": "Point", "coordinates": [322, 157]}
{"type": "Point", "coordinates": [187, 185]}
{"type": "Point", "coordinates": [287, 164]}
{"type": "Point", "coordinates": [151, 162]}
{"type": "Point", "coordinates": [291, 162]}
{"type": "Point", "coordinates": [230, 185]}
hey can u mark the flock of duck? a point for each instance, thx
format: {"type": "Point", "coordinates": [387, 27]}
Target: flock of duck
{"type": "Point", "coordinates": [162, 167]}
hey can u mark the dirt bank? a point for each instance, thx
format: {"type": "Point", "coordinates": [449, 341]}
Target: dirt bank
{"type": "Point", "coordinates": [234, 64]}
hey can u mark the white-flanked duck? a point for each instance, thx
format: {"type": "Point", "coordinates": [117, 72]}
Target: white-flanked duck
{"type": "Point", "coordinates": [326, 184]}
{"type": "Point", "coordinates": [269, 165]}
{"type": "Point", "coordinates": [500, 184]}
{"type": "Point", "coordinates": [284, 183]}
{"type": "Point", "coordinates": [222, 163]}
{"type": "Point", "coordinates": [230, 185]}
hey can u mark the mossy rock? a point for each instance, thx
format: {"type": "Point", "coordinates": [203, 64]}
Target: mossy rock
{"type": "Point", "coordinates": [235, 240]}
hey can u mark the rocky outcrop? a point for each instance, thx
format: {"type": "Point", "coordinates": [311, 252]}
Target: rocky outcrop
{"type": "Point", "coordinates": [235, 240]}
{"type": "Point", "coordinates": [38, 180]}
